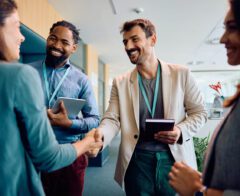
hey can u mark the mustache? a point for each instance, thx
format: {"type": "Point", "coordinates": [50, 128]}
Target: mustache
{"type": "Point", "coordinates": [131, 50]}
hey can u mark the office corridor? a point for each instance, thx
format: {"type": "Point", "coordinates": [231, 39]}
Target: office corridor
{"type": "Point", "coordinates": [99, 180]}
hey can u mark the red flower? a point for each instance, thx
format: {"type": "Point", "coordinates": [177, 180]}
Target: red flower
{"type": "Point", "coordinates": [216, 87]}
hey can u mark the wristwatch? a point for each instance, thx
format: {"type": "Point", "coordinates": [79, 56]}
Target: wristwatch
{"type": "Point", "coordinates": [201, 191]}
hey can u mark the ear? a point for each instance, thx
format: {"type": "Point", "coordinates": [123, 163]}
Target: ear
{"type": "Point", "coordinates": [75, 46]}
{"type": "Point", "coordinates": [153, 39]}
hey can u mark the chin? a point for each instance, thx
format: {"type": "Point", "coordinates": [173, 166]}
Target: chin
{"type": "Point", "coordinates": [13, 58]}
{"type": "Point", "coordinates": [233, 63]}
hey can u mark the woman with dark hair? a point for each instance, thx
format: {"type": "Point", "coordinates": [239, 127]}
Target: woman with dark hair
{"type": "Point", "coordinates": [221, 174]}
{"type": "Point", "coordinates": [27, 142]}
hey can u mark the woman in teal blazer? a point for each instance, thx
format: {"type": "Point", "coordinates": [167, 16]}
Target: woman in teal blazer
{"type": "Point", "coordinates": [27, 142]}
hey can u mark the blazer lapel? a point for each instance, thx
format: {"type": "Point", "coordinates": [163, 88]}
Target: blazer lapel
{"type": "Point", "coordinates": [135, 95]}
{"type": "Point", "coordinates": [166, 88]}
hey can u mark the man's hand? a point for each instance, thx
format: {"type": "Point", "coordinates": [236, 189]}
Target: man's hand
{"type": "Point", "coordinates": [97, 134]}
{"type": "Point", "coordinates": [168, 137]}
{"type": "Point", "coordinates": [88, 144]}
{"type": "Point", "coordinates": [185, 180]}
{"type": "Point", "coordinates": [61, 118]}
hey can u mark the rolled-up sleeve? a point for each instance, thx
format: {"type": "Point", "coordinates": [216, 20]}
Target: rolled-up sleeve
{"type": "Point", "coordinates": [90, 117]}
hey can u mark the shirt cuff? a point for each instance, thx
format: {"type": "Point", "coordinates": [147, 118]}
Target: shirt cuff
{"type": "Point", "coordinates": [74, 124]}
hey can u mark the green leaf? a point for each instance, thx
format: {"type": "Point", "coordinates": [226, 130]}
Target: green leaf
{"type": "Point", "coordinates": [200, 145]}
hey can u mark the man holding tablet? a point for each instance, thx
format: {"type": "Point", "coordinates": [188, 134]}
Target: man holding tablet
{"type": "Point", "coordinates": [61, 79]}
{"type": "Point", "coordinates": [154, 89]}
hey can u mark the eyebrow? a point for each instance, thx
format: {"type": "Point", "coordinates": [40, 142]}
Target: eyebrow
{"type": "Point", "coordinates": [133, 36]}
{"type": "Point", "coordinates": [53, 35]}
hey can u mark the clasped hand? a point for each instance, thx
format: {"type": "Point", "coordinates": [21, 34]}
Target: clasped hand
{"type": "Point", "coordinates": [97, 135]}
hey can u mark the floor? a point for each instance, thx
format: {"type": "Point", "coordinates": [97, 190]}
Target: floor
{"type": "Point", "coordinates": [100, 180]}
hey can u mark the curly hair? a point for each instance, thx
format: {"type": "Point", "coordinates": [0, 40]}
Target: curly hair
{"type": "Point", "coordinates": [70, 26]}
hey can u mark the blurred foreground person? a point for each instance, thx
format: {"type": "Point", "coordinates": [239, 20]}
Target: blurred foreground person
{"type": "Point", "coordinates": [27, 142]}
{"type": "Point", "coordinates": [221, 169]}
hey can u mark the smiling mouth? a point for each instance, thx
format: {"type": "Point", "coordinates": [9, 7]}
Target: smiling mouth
{"type": "Point", "coordinates": [132, 54]}
{"type": "Point", "coordinates": [230, 51]}
{"type": "Point", "coordinates": [56, 53]}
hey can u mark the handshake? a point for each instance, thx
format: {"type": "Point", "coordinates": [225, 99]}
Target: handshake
{"type": "Point", "coordinates": [97, 144]}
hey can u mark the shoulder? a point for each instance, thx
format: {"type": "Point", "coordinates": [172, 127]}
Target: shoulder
{"type": "Point", "coordinates": [77, 71]}
{"type": "Point", "coordinates": [17, 69]}
{"type": "Point", "coordinates": [173, 67]}
{"type": "Point", "coordinates": [176, 71]}
{"type": "Point", "coordinates": [126, 77]}
{"type": "Point", "coordinates": [37, 65]}
{"type": "Point", "coordinates": [78, 76]}
{"type": "Point", "coordinates": [27, 76]}
{"type": "Point", "coordinates": [19, 76]}
{"type": "Point", "coordinates": [28, 69]}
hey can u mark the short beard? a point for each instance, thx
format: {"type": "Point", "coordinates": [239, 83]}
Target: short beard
{"type": "Point", "coordinates": [55, 61]}
{"type": "Point", "coordinates": [134, 62]}
{"type": "Point", "coordinates": [129, 52]}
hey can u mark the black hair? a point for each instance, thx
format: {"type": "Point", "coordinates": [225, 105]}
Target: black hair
{"type": "Point", "coordinates": [6, 8]}
{"type": "Point", "coordinates": [235, 7]}
{"type": "Point", "coordinates": [70, 26]}
{"type": "Point", "coordinates": [146, 26]}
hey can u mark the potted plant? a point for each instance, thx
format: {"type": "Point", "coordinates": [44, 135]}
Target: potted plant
{"type": "Point", "coordinates": [200, 145]}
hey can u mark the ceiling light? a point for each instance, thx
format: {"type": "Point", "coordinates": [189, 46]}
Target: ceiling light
{"type": "Point", "coordinates": [113, 7]}
{"type": "Point", "coordinates": [138, 10]}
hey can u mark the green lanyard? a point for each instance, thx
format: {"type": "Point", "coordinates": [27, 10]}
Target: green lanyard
{"type": "Point", "coordinates": [47, 83]}
{"type": "Point", "coordinates": [151, 111]}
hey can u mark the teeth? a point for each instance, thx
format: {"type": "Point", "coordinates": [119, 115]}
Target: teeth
{"type": "Point", "coordinates": [56, 53]}
{"type": "Point", "coordinates": [133, 53]}
{"type": "Point", "coordinates": [229, 50]}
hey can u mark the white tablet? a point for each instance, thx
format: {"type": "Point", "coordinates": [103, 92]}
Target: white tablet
{"type": "Point", "coordinates": [73, 106]}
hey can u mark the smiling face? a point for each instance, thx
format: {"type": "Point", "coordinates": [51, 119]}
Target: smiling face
{"type": "Point", "coordinates": [231, 39]}
{"type": "Point", "coordinates": [10, 38]}
{"type": "Point", "coordinates": [139, 48]}
{"type": "Point", "coordinates": [60, 45]}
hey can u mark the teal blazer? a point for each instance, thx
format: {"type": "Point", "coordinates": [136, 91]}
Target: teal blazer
{"type": "Point", "coordinates": [27, 142]}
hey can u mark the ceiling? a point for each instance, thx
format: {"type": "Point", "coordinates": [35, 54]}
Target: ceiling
{"type": "Point", "coordinates": [188, 31]}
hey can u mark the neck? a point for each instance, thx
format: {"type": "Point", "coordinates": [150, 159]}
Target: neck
{"type": "Point", "coordinates": [148, 70]}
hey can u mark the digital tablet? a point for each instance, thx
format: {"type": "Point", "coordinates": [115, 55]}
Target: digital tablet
{"type": "Point", "coordinates": [73, 106]}
{"type": "Point", "coordinates": [155, 125]}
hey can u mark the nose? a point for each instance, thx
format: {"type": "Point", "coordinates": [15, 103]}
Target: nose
{"type": "Point", "coordinates": [223, 39]}
{"type": "Point", "coordinates": [129, 45]}
{"type": "Point", "coordinates": [22, 38]}
{"type": "Point", "coordinates": [57, 44]}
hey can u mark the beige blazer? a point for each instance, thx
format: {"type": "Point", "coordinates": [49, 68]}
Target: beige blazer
{"type": "Point", "coordinates": [182, 101]}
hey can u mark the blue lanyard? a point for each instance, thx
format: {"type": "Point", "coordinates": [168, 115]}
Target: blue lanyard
{"type": "Point", "coordinates": [47, 83]}
{"type": "Point", "coordinates": [151, 111]}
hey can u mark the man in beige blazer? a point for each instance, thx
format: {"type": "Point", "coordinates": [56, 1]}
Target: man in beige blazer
{"type": "Point", "coordinates": [143, 166]}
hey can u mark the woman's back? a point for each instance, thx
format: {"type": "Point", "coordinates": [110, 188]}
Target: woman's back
{"type": "Point", "coordinates": [27, 143]}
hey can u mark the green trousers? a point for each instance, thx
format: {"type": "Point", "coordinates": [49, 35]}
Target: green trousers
{"type": "Point", "coordinates": [147, 174]}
